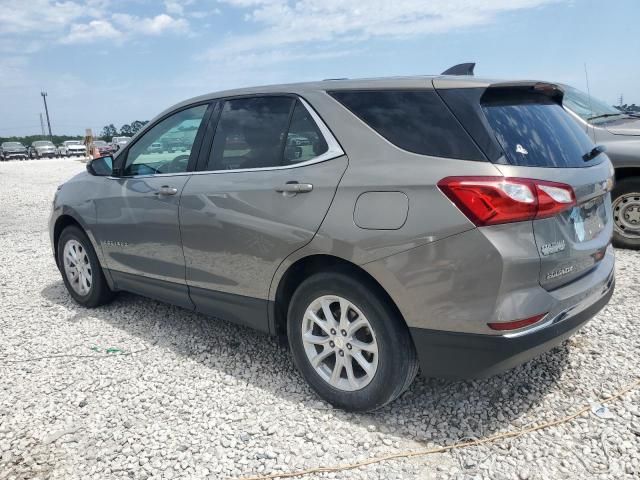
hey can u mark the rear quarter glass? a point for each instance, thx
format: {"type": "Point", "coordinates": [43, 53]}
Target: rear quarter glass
{"type": "Point", "coordinates": [535, 131]}
{"type": "Point", "coordinates": [414, 120]}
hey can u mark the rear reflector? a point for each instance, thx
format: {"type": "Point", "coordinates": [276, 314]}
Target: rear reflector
{"type": "Point", "coordinates": [496, 200]}
{"type": "Point", "coordinates": [516, 324]}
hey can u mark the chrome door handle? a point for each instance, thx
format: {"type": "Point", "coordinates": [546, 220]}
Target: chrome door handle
{"type": "Point", "coordinates": [294, 187]}
{"type": "Point", "coordinates": [167, 190]}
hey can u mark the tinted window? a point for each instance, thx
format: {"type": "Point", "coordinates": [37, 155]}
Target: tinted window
{"type": "Point", "coordinates": [304, 140]}
{"type": "Point", "coordinates": [537, 132]}
{"type": "Point", "coordinates": [251, 133]}
{"type": "Point", "coordinates": [166, 147]}
{"type": "Point", "coordinates": [417, 121]}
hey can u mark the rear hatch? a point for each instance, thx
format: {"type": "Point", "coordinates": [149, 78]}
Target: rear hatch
{"type": "Point", "coordinates": [536, 139]}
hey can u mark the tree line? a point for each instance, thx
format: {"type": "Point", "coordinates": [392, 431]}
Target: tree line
{"type": "Point", "coordinates": [29, 139]}
{"type": "Point", "coordinates": [126, 130]}
{"type": "Point", "coordinates": [107, 133]}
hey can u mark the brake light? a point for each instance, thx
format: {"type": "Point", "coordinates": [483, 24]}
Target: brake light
{"type": "Point", "coordinates": [496, 200]}
{"type": "Point", "coordinates": [516, 324]}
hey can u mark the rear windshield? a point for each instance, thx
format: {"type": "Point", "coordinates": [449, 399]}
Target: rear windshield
{"type": "Point", "coordinates": [534, 131]}
{"type": "Point", "coordinates": [414, 120]}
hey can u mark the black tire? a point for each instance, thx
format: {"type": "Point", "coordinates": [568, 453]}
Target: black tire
{"type": "Point", "coordinates": [626, 190]}
{"type": "Point", "coordinates": [99, 292]}
{"type": "Point", "coordinates": [397, 361]}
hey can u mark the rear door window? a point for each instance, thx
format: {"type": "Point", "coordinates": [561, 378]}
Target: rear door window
{"type": "Point", "coordinates": [304, 140]}
{"type": "Point", "coordinates": [251, 133]}
{"type": "Point", "coordinates": [534, 131]}
{"type": "Point", "coordinates": [415, 120]}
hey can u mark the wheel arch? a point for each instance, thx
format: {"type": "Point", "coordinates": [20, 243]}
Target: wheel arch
{"type": "Point", "coordinates": [303, 268]}
{"type": "Point", "coordinates": [626, 172]}
{"type": "Point", "coordinates": [62, 222]}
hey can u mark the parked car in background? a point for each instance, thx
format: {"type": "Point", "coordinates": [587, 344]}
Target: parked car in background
{"type": "Point", "coordinates": [619, 132]}
{"type": "Point", "coordinates": [118, 142]}
{"type": "Point", "coordinates": [457, 223]}
{"type": "Point", "coordinates": [175, 145]}
{"type": "Point", "coordinates": [72, 148]}
{"type": "Point", "coordinates": [9, 150]}
{"type": "Point", "coordinates": [43, 149]}
{"type": "Point", "coordinates": [155, 147]}
{"type": "Point", "coordinates": [103, 147]}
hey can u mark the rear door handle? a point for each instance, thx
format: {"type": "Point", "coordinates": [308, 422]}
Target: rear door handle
{"type": "Point", "coordinates": [167, 190]}
{"type": "Point", "coordinates": [294, 187]}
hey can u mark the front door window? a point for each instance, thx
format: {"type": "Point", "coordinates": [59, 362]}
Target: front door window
{"type": "Point", "coordinates": [166, 147]}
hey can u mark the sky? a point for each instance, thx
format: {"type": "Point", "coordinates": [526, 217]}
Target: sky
{"type": "Point", "coordinates": [116, 61]}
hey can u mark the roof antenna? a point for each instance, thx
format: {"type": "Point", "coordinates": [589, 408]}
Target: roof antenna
{"type": "Point", "coordinates": [460, 69]}
{"type": "Point", "coordinates": [586, 76]}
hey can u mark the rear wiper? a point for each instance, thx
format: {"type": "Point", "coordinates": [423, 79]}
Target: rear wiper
{"type": "Point", "coordinates": [595, 151]}
{"type": "Point", "coordinates": [605, 115]}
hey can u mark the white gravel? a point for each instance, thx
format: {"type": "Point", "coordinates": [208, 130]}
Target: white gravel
{"type": "Point", "coordinates": [190, 397]}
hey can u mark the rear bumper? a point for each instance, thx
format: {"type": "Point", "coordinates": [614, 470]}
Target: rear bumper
{"type": "Point", "coordinates": [466, 355]}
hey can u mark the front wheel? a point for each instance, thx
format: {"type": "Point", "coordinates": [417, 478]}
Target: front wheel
{"type": "Point", "coordinates": [348, 343]}
{"type": "Point", "coordinates": [626, 213]}
{"type": "Point", "coordinates": [81, 270]}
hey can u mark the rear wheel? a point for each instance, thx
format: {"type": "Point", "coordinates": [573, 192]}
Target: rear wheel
{"type": "Point", "coordinates": [348, 343]}
{"type": "Point", "coordinates": [81, 270]}
{"type": "Point", "coordinates": [626, 213]}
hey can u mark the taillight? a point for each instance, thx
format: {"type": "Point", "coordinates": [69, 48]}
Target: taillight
{"type": "Point", "coordinates": [495, 200]}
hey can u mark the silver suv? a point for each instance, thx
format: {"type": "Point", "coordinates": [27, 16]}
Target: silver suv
{"type": "Point", "coordinates": [459, 224]}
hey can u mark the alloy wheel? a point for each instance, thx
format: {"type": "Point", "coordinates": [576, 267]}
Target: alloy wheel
{"type": "Point", "coordinates": [340, 343]}
{"type": "Point", "coordinates": [77, 267]}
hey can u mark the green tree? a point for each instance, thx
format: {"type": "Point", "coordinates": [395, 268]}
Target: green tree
{"type": "Point", "coordinates": [108, 132]}
{"type": "Point", "coordinates": [137, 125]}
{"type": "Point", "coordinates": [126, 130]}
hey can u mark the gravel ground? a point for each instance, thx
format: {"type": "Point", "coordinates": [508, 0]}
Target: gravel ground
{"type": "Point", "coordinates": [139, 389]}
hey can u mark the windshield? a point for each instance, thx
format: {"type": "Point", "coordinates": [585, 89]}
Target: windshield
{"type": "Point", "coordinates": [72, 142]}
{"type": "Point", "coordinates": [585, 106]}
{"type": "Point", "coordinates": [42, 144]}
{"type": "Point", "coordinates": [99, 143]}
{"type": "Point", "coordinates": [11, 145]}
{"type": "Point", "coordinates": [534, 131]}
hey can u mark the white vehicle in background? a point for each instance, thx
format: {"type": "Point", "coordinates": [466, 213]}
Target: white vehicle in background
{"type": "Point", "coordinates": [72, 148]}
{"type": "Point", "coordinates": [118, 142]}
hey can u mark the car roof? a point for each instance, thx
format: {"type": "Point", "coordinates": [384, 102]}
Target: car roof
{"type": "Point", "coordinates": [415, 81]}
{"type": "Point", "coordinates": [405, 82]}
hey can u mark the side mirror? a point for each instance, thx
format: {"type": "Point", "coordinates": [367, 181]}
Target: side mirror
{"type": "Point", "coordinates": [101, 166]}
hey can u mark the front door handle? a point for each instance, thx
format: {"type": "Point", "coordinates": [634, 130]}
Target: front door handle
{"type": "Point", "coordinates": [167, 190]}
{"type": "Point", "coordinates": [294, 187]}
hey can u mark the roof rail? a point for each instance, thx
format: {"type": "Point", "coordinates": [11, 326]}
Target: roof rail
{"type": "Point", "coordinates": [461, 69]}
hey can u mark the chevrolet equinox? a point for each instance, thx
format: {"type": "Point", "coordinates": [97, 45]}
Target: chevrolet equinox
{"type": "Point", "coordinates": [457, 224]}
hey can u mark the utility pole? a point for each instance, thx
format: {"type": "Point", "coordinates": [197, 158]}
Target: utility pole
{"type": "Point", "coordinates": [621, 99]}
{"type": "Point", "coordinates": [42, 124]}
{"type": "Point", "coordinates": [46, 110]}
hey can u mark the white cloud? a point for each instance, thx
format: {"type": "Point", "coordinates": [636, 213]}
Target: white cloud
{"type": "Point", "coordinates": [35, 23]}
{"type": "Point", "coordinates": [19, 16]}
{"type": "Point", "coordinates": [293, 24]}
{"type": "Point", "coordinates": [91, 32]}
{"type": "Point", "coordinates": [151, 25]}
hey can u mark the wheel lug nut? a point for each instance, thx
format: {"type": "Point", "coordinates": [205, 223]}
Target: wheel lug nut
{"type": "Point", "coordinates": [349, 346]}
{"type": "Point", "coordinates": [344, 333]}
{"type": "Point", "coordinates": [333, 332]}
{"type": "Point", "coordinates": [331, 344]}
{"type": "Point", "coordinates": [341, 353]}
